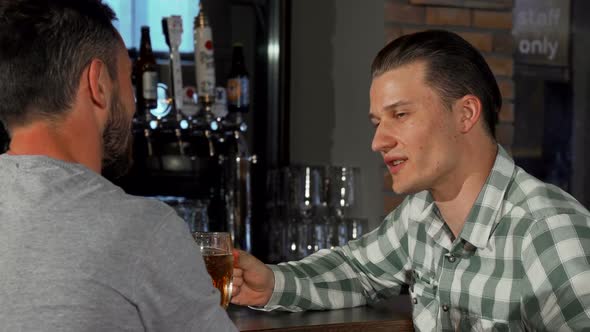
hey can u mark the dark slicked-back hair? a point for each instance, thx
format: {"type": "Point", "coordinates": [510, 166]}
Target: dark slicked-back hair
{"type": "Point", "coordinates": [454, 69]}
{"type": "Point", "coordinates": [44, 47]}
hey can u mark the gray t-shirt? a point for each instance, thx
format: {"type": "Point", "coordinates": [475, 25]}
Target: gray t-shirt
{"type": "Point", "coordinates": [78, 254]}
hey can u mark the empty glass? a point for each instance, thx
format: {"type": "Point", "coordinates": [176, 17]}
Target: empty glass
{"type": "Point", "coordinates": [277, 187]}
{"type": "Point", "coordinates": [193, 212]}
{"type": "Point", "coordinates": [308, 189]}
{"type": "Point", "coordinates": [336, 232]}
{"type": "Point", "coordinates": [310, 208]}
{"type": "Point", "coordinates": [357, 227]}
{"type": "Point", "coordinates": [342, 189]}
{"type": "Point", "coordinates": [277, 198]}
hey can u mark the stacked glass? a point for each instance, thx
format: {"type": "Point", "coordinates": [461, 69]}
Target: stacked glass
{"type": "Point", "coordinates": [310, 208]}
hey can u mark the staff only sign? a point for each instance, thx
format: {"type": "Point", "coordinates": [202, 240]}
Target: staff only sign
{"type": "Point", "coordinates": [541, 31]}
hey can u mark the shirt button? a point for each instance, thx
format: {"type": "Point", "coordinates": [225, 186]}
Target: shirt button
{"type": "Point", "coordinates": [415, 300]}
{"type": "Point", "coordinates": [452, 259]}
{"type": "Point", "coordinates": [445, 308]}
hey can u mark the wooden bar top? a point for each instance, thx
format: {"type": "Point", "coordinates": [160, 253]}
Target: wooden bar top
{"type": "Point", "coordinates": [391, 315]}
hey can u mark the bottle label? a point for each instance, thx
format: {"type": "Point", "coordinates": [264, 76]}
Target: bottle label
{"type": "Point", "coordinates": [204, 61]}
{"type": "Point", "coordinates": [238, 93]}
{"type": "Point", "coordinates": [150, 85]}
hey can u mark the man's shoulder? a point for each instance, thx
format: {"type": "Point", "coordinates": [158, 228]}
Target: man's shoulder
{"type": "Point", "coordinates": [119, 201]}
{"type": "Point", "coordinates": [142, 212]}
{"type": "Point", "coordinates": [73, 193]}
{"type": "Point", "coordinates": [539, 200]}
{"type": "Point", "coordinates": [128, 222]}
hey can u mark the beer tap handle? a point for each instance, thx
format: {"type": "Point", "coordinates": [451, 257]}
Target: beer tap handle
{"type": "Point", "coordinates": [180, 143]}
{"type": "Point", "coordinates": [241, 144]}
{"type": "Point", "coordinates": [204, 59]}
{"type": "Point", "coordinates": [210, 141]}
{"type": "Point", "coordinates": [172, 27]}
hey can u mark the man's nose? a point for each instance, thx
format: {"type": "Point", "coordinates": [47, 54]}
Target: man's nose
{"type": "Point", "coordinates": [382, 140]}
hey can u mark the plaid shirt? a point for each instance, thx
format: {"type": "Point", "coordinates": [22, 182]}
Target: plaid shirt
{"type": "Point", "coordinates": [521, 262]}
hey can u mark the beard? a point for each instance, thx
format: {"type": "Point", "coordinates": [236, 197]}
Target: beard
{"type": "Point", "coordinates": [117, 141]}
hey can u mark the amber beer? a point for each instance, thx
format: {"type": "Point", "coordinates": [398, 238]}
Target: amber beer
{"type": "Point", "coordinates": [220, 266]}
{"type": "Point", "coordinates": [216, 248]}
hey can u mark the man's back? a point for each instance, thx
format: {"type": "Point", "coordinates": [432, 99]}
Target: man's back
{"type": "Point", "coordinates": [77, 253]}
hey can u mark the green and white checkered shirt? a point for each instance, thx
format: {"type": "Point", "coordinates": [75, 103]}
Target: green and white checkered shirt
{"type": "Point", "coordinates": [521, 262]}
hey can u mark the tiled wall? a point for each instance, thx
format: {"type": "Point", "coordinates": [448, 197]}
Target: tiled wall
{"type": "Point", "coordinates": [486, 24]}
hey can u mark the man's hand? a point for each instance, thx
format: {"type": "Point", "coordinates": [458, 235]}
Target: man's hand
{"type": "Point", "coordinates": [253, 281]}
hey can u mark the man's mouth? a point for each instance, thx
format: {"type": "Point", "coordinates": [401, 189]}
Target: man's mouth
{"type": "Point", "coordinates": [396, 165]}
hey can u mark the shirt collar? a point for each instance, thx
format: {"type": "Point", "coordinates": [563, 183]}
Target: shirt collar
{"type": "Point", "coordinates": [486, 211]}
{"type": "Point", "coordinates": [428, 214]}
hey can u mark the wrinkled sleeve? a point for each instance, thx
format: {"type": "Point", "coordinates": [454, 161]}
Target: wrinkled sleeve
{"type": "Point", "coordinates": [556, 258]}
{"type": "Point", "coordinates": [173, 291]}
{"type": "Point", "coordinates": [363, 271]}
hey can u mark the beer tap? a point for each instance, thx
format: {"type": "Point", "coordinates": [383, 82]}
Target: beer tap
{"type": "Point", "coordinates": [204, 60]}
{"type": "Point", "coordinates": [172, 27]}
{"type": "Point", "coordinates": [210, 142]}
{"type": "Point", "coordinates": [238, 165]}
{"type": "Point", "coordinates": [205, 75]}
{"type": "Point", "coordinates": [142, 124]}
{"type": "Point", "coordinates": [148, 126]}
{"type": "Point", "coordinates": [148, 139]}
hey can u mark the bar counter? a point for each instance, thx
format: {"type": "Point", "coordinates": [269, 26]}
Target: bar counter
{"type": "Point", "coordinates": [392, 315]}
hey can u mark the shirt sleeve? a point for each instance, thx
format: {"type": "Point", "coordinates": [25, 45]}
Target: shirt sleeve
{"type": "Point", "coordinates": [173, 291]}
{"type": "Point", "coordinates": [556, 258]}
{"type": "Point", "coordinates": [365, 270]}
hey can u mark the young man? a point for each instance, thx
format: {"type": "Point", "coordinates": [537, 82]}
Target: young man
{"type": "Point", "coordinates": [76, 252]}
{"type": "Point", "coordinates": [482, 244]}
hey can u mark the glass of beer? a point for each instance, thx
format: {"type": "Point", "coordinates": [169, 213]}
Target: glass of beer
{"type": "Point", "coordinates": [216, 248]}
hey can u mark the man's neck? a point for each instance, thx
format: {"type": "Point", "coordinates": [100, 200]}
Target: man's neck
{"type": "Point", "coordinates": [456, 197]}
{"type": "Point", "coordinates": [55, 141]}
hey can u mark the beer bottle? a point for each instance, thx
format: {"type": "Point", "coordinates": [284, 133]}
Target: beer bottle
{"type": "Point", "coordinates": [238, 83]}
{"type": "Point", "coordinates": [146, 74]}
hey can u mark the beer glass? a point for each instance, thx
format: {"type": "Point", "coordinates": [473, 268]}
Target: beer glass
{"type": "Point", "coordinates": [216, 248]}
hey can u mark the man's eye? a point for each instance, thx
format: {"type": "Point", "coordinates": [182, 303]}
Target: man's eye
{"type": "Point", "coordinates": [400, 115]}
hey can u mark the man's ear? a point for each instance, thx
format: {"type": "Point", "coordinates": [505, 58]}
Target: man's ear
{"type": "Point", "coordinates": [100, 84]}
{"type": "Point", "coordinates": [469, 110]}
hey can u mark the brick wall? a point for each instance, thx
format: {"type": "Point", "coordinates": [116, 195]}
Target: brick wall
{"type": "Point", "coordinates": [486, 24]}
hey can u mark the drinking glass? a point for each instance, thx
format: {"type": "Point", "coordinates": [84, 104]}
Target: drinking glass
{"type": "Point", "coordinates": [343, 182]}
{"type": "Point", "coordinates": [194, 213]}
{"type": "Point", "coordinates": [307, 207]}
{"type": "Point", "coordinates": [277, 211]}
{"type": "Point", "coordinates": [216, 248]}
{"type": "Point", "coordinates": [357, 227]}
{"type": "Point", "coordinates": [310, 191]}
{"type": "Point", "coordinates": [336, 232]}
